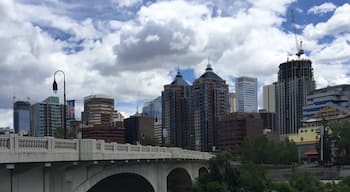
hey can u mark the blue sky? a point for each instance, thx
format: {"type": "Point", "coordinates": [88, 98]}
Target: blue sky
{"type": "Point", "coordinates": [121, 48]}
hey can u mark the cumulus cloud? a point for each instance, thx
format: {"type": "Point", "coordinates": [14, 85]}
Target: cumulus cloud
{"type": "Point", "coordinates": [126, 3]}
{"type": "Point", "coordinates": [338, 23]}
{"type": "Point", "coordinates": [322, 9]}
{"type": "Point", "coordinates": [120, 48]}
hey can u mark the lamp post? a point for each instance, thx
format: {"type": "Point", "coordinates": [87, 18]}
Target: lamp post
{"type": "Point", "coordinates": [54, 88]}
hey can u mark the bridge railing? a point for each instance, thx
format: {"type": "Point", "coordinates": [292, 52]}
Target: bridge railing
{"type": "Point", "coordinates": [19, 149]}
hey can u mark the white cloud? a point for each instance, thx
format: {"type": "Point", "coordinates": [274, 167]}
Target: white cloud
{"type": "Point", "coordinates": [122, 57]}
{"type": "Point", "coordinates": [151, 38]}
{"type": "Point", "coordinates": [338, 23]}
{"type": "Point", "coordinates": [322, 9]}
{"type": "Point", "coordinates": [126, 3]}
{"type": "Point", "coordinates": [6, 118]}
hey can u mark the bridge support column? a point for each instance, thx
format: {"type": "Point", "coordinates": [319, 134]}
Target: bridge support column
{"type": "Point", "coordinates": [161, 178]}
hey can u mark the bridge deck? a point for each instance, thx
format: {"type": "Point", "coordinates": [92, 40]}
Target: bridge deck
{"type": "Point", "coordinates": [18, 149]}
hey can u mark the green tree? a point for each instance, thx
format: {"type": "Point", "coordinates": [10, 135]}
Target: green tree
{"type": "Point", "coordinates": [340, 134]}
{"type": "Point", "coordinates": [59, 133]}
{"type": "Point", "coordinates": [264, 150]}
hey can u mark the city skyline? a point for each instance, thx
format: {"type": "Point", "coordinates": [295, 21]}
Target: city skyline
{"type": "Point", "coordinates": [137, 47]}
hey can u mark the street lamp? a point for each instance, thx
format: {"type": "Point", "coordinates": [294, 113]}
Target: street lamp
{"type": "Point", "coordinates": [54, 88]}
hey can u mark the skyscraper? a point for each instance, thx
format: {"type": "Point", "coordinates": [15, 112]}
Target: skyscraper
{"type": "Point", "coordinates": [99, 109]}
{"type": "Point", "coordinates": [176, 112]}
{"type": "Point", "coordinates": [232, 102]}
{"type": "Point", "coordinates": [46, 117]}
{"type": "Point", "coordinates": [153, 108]}
{"type": "Point", "coordinates": [295, 82]}
{"type": "Point", "coordinates": [210, 102]}
{"type": "Point", "coordinates": [21, 117]}
{"type": "Point", "coordinates": [269, 97]}
{"type": "Point", "coordinates": [139, 129]}
{"type": "Point", "coordinates": [246, 91]}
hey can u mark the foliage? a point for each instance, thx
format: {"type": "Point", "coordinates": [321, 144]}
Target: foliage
{"type": "Point", "coordinates": [248, 177]}
{"type": "Point", "coordinates": [264, 150]}
{"type": "Point", "coordinates": [59, 133]}
{"type": "Point", "coordinates": [225, 177]}
{"type": "Point", "coordinates": [340, 134]}
{"type": "Point", "coordinates": [149, 141]}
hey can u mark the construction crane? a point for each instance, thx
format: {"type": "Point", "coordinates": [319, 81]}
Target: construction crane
{"type": "Point", "coordinates": [299, 45]}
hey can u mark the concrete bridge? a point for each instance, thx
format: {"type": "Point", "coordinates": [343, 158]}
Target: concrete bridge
{"type": "Point", "coordinates": [86, 165]}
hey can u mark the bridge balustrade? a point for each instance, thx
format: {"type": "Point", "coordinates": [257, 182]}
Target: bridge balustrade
{"type": "Point", "coordinates": [18, 149]}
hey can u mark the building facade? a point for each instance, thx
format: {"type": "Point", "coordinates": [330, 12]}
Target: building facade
{"type": "Point", "coordinates": [210, 102]}
{"type": "Point", "coordinates": [21, 117]}
{"type": "Point", "coordinates": [153, 108]}
{"type": "Point", "coordinates": [232, 102]}
{"type": "Point", "coordinates": [269, 97]}
{"type": "Point", "coordinates": [114, 132]}
{"type": "Point", "coordinates": [295, 82]}
{"type": "Point", "coordinates": [99, 109]}
{"type": "Point", "coordinates": [176, 112]}
{"type": "Point", "coordinates": [327, 102]}
{"type": "Point", "coordinates": [46, 117]}
{"type": "Point", "coordinates": [139, 129]}
{"type": "Point", "coordinates": [247, 95]}
{"type": "Point", "coordinates": [234, 127]}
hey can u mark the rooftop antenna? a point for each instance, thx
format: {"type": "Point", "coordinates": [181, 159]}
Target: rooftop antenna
{"type": "Point", "coordinates": [300, 51]}
{"type": "Point", "coordinates": [208, 66]}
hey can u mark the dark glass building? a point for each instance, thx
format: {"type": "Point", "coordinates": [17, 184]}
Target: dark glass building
{"type": "Point", "coordinates": [176, 112]}
{"type": "Point", "coordinates": [295, 82]}
{"type": "Point", "coordinates": [47, 117]}
{"type": "Point", "coordinates": [21, 117]}
{"type": "Point", "coordinates": [139, 129]}
{"type": "Point", "coordinates": [235, 127]}
{"type": "Point", "coordinates": [210, 103]}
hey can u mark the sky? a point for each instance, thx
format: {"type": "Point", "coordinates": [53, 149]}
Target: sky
{"type": "Point", "coordinates": [129, 49]}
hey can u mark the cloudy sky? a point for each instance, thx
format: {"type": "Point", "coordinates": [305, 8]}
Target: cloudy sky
{"type": "Point", "coordinates": [121, 48]}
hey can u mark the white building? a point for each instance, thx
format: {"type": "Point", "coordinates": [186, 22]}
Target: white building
{"type": "Point", "coordinates": [246, 92]}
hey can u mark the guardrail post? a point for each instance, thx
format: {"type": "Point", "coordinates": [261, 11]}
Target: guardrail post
{"type": "Point", "coordinates": [12, 143]}
{"type": "Point", "coordinates": [114, 147]}
{"type": "Point", "coordinates": [102, 146]}
{"type": "Point", "coordinates": [87, 148]}
{"type": "Point", "coordinates": [50, 144]}
{"type": "Point", "coordinates": [15, 144]}
{"type": "Point", "coordinates": [128, 145]}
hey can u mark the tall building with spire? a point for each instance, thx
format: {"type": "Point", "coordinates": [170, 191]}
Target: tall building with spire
{"type": "Point", "coordinates": [210, 102]}
{"type": "Point", "coordinates": [295, 82]}
{"type": "Point", "coordinates": [176, 112]}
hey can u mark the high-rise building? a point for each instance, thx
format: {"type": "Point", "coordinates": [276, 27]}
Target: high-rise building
{"type": "Point", "coordinates": [234, 127]}
{"type": "Point", "coordinates": [139, 129]}
{"type": "Point", "coordinates": [114, 132]}
{"type": "Point", "coordinates": [246, 92]}
{"type": "Point", "coordinates": [232, 102]}
{"type": "Point", "coordinates": [269, 97]}
{"type": "Point", "coordinates": [21, 117]}
{"type": "Point", "coordinates": [158, 131]}
{"type": "Point", "coordinates": [153, 108]}
{"type": "Point", "coordinates": [176, 112]}
{"type": "Point", "coordinates": [295, 82]}
{"type": "Point", "coordinates": [46, 117]}
{"type": "Point", "coordinates": [210, 102]}
{"type": "Point", "coordinates": [327, 102]}
{"type": "Point", "coordinates": [99, 109]}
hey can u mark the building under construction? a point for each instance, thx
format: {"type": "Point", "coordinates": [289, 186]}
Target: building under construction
{"type": "Point", "coordinates": [295, 82]}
